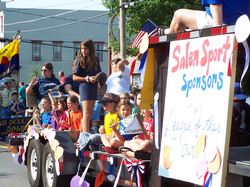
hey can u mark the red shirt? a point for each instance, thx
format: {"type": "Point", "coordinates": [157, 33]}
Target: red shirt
{"type": "Point", "coordinates": [149, 126]}
{"type": "Point", "coordinates": [62, 80]}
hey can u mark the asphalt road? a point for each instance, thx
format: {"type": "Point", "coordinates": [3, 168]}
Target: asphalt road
{"type": "Point", "coordinates": [11, 174]}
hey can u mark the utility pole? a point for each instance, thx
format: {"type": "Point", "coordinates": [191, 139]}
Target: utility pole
{"type": "Point", "coordinates": [122, 31]}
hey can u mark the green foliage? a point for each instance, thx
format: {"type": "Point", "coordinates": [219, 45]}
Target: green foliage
{"type": "Point", "coordinates": [158, 11]}
{"type": "Point", "coordinates": [35, 71]}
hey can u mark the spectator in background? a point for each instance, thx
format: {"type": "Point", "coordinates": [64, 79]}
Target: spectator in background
{"type": "Point", "coordinates": [22, 93]}
{"type": "Point", "coordinates": [5, 97]}
{"type": "Point", "coordinates": [13, 85]}
{"type": "Point", "coordinates": [17, 108]}
{"type": "Point", "coordinates": [61, 75]}
{"type": "Point", "coordinates": [41, 85]}
{"type": "Point", "coordinates": [241, 109]}
{"type": "Point", "coordinates": [71, 87]}
{"type": "Point", "coordinates": [119, 80]}
{"type": "Point", "coordinates": [5, 100]}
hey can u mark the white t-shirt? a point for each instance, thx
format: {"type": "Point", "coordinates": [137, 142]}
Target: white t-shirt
{"type": "Point", "coordinates": [119, 82]}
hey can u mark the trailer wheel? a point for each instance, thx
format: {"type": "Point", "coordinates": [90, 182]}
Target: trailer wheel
{"type": "Point", "coordinates": [34, 163]}
{"type": "Point", "coordinates": [50, 178]}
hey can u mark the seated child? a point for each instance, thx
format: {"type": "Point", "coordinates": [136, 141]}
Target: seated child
{"type": "Point", "coordinates": [139, 144]}
{"type": "Point", "coordinates": [16, 107]}
{"type": "Point", "coordinates": [75, 115]}
{"type": "Point", "coordinates": [110, 102]}
{"type": "Point", "coordinates": [59, 106]}
{"type": "Point", "coordinates": [115, 140]}
{"type": "Point", "coordinates": [44, 119]}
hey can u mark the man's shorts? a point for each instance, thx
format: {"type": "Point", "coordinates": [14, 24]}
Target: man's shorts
{"type": "Point", "coordinates": [204, 20]}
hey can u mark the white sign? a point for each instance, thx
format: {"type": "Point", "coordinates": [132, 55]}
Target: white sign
{"type": "Point", "coordinates": [196, 109]}
{"type": "Point", "coordinates": [132, 125]}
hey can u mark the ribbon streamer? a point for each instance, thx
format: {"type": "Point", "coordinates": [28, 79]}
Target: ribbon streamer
{"type": "Point", "coordinates": [118, 174]}
{"type": "Point", "coordinates": [156, 122]}
{"type": "Point", "coordinates": [209, 180]}
{"type": "Point", "coordinates": [133, 64]}
{"type": "Point", "coordinates": [139, 167]}
{"type": "Point", "coordinates": [246, 47]}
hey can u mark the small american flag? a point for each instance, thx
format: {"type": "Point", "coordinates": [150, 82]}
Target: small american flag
{"type": "Point", "coordinates": [150, 28]}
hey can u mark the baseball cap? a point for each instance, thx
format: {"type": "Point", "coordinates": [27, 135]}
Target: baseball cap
{"type": "Point", "coordinates": [106, 99]}
{"type": "Point", "coordinates": [237, 92]}
{"type": "Point", "coordinates": [14, 93]}
{"type": "Point", "coordinates": [6, 81]}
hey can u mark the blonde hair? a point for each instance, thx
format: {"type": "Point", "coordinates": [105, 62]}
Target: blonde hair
{"type": "Point", "coordinates": [75, 99]}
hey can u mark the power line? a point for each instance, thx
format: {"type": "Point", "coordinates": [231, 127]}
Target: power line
{"type": "Point", "coordinates": [42, 16]}
{"type": "Point", "coordinates": [52, 27]}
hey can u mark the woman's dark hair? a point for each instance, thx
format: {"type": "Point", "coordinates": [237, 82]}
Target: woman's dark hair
{"type": "Point", "coordinates": [49, 66]}
{"type": "Point", "coordinates": [90, 61]}
{"type": "Point", "coordinates": [63, 101]}
{"type": "Point", "coordinates": [116, 60]}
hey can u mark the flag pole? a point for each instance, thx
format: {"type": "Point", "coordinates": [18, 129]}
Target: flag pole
{"type": "Point", "coordinates": [142, 126]}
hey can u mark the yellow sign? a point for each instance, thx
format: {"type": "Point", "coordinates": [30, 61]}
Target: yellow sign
{"type": "Point", "coordinates": [147, 91]}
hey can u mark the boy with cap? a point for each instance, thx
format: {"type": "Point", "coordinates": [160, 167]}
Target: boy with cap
{"type": "Point", "coordinates": [16, 107]}
{"type": "Point", "coordinates": [240, 108]}
{"type": "Point", "coordinates": [5, 99]}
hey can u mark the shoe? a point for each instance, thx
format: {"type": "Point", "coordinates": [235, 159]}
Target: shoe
{"type": "Point", "coordinates": [110, 150]}
{"type": "Point", "coordinates": [93, 131]}
{"type": "Point", "coordinates": [161, 30]}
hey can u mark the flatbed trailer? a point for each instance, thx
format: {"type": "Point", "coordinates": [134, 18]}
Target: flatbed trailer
{"type": "Point", "coordinates": [39, 152]}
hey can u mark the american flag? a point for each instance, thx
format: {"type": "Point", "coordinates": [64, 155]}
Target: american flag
{"type": "Point", "coordinates": [150, 28]}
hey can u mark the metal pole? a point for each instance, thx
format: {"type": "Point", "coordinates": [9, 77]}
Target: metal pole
{"type": "Point", "coordinates": [109, 38]}
{"type": "Point", "coordinates": [122, 31]}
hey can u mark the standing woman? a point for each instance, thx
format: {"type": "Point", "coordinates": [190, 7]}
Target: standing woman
{"type": "Point", "coordinates": [86, 67]}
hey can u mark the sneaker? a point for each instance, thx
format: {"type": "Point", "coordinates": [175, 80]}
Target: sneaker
{"type": "Point", "coordinates": [3, 139]}
{"type": "Point", "coordinates": [93, 131]}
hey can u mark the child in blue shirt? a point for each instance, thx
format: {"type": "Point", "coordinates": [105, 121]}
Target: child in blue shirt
{"type": "Point", "coordinates": [44, 119]}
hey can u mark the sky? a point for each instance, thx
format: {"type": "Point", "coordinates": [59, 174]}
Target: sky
{"type": "Point", "coordinates": [56, 4]}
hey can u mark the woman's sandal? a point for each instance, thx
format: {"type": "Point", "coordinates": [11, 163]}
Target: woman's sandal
{"type": "Point", "coordinates": [161, 30]}
{"type": "Point", "coordinates": [124, 150]}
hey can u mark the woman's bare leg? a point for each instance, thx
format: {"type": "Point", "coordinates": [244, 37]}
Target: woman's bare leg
{"type": "Point", "coordinates": [87, 107]}
{"type": "Point", "coordinates": [106, 140]}
{"type": "Point", "coordinates": [182, 18]}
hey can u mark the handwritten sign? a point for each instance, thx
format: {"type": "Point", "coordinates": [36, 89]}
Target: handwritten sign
{"type": "Point", "coordinates": [197, 112]}
{"type": "Point", "coordinates": [12, 125]}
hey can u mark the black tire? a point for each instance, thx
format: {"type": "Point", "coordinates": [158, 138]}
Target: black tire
{"type": "Point", "coordinates": [50, 179]}
{"type": "Point", "coordinates": [34, 163]}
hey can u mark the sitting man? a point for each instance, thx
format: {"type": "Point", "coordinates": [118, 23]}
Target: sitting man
{"type": "Point", "coordinates": [240, 108]}
{"type": "Point", "coordinates": [217, 12]}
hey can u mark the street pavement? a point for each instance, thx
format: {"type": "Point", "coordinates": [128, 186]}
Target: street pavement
{"type": "Point", "coordinates": [11, 174]}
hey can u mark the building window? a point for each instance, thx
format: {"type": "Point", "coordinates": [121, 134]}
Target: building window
{"type": "Point", "coordinates": [57, 51]}
{"type": "Point", "coordinates": [36, 50]}
{"type": "Point", "coordinates": [136, 79]}
{"type": "Point", "coordinates": [76, 48]}
{"type": "Point", "coordinates": [98, 50]}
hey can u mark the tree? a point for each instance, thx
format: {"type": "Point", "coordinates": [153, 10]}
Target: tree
{"type": "Point", "coordinates": [158, 11]}
{"type": "Point", "coordinates": [35, 71]}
